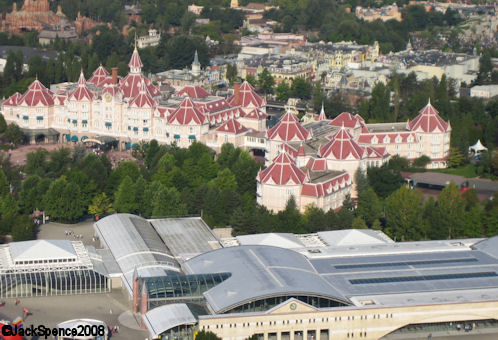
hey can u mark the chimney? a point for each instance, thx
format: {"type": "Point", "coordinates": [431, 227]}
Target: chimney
{"type": "Point", "coordinates": [236, 92]}
{"type": "Point", "coordinates": [114, 75]}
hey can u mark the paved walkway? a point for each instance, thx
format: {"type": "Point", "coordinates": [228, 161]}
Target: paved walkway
{"type": "Point", "coordinates": [56, 231]}
{"type": "Point", "coordinates": [51, 310]}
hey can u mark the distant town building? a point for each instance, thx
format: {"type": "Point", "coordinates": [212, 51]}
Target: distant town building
{"type": "Point", "coordinates": [46, 37]}
{"type": "Point", "coordinates": [152, 39]}
{"type": "Point", "coordinates": [484, 91]}
{"type": "Point", "coordinates": [195, 9]}
{"type": "Point", "coordinates": [383, 13]}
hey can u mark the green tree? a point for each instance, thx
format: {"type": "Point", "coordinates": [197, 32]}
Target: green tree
{"type": "Point", "coordinates": [451, 211]}
{"type": "Point", "coordinates": [251, 79]}
{"type": "Point", "coordinates": [63, 201]}
{"type": "Point", "coordinates": [384, 180]}
{"type": "Point", "coordinates": [3, 124]}
{"type": "Point", "coordinates": [315, 219]}
{"type": "Point", "coordinates": [13, 134]}
{"type": "Point", "coordinates": [359, 223]}
{"type": "Point", "coordinates": [490, 216]}
{"type": "Point", "coordinates": [23, 229]}
{"type": "Point", "coordinates": [167, 202]}
{"type": "Point", "coordinates": [4, 184]}
{"type": "Point", "coordinates": [125, 199]}
{"type": "Point", "coordinates": [8, 213]}
{"type": "Point", "coordinates": [404, 212]}
{"type": "Point", "coordinates": [225, 180]}
{"type": "Point", "coordinates": [300, 88]}
{"type": "Point", "coordinates": [421, 162]}
{"type": "Point", "coordinates": [289, 220]}
{"type": "Point", "coordinates": [231, 73]}
{"type": "Point", "coordinates": [266, 81]}
{"type": "Point", "coordinates": [369, 206]}
{"type": "Point", "coordinates": [283, 91]}
{"type": "Point", "coordinates": [101, 204]}
{"type": "Point", "coordinates": [361, 181]}
{"type": "Point", "coordinates": [456, 158]}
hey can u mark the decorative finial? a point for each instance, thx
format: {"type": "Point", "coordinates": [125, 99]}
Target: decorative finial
{"type": "Point", "coordinates": [135, 40]}
{"type": "Point", "coordinates": [429, 101]}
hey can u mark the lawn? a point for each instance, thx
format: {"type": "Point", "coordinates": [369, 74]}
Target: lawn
{"type": "Point", "coordinates": [467, 171]}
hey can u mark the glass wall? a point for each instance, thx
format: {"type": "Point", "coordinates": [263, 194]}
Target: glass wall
{"type": "Point", "coordinates": [265, 304]}
{"type": "Point", "coordinates": [184, 288]}
{"type": "Point", "coordinates": [69, 282]}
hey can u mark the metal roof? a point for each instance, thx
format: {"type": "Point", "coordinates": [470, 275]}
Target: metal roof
{"type": "Point", "coordinates": [263, 271]}
{"type": "Point", "coordinates": [353, 237]}
{"type": "Point", "coordinates": [160, 319]}
{"type": "Point", "coordinates": [258, 272]}
{"type": "Point", "coordinates": [42, 249]}
{"type": "Point", "coordinates": [187, 235]}
{"type": "Point", "coordinates": [135, 245]}
{"type": "Point", "coordinates": [282, 240]}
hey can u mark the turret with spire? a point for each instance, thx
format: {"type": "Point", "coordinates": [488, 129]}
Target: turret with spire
{"type": "Point", "coordinates": [322, 115]}
{"type": "Point", "coordinates": [135, 63]}
{"type": "Point", "coordinates": [196, 65]}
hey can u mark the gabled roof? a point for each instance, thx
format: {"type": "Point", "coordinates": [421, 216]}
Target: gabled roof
{"type": "Point", "coordinates": [82, 92]}
{"type": "Point", "coordinates": [376, 152]}
{"type": "Point", "coordinates": [255, 114]}
{"type": "Point", "coordinates": [192, 91]}
{"type": "Point", "coordinates": [112, 90]}
{"type": "Point", "coordinates": [327, 187]}
{"type": "Point", "coordinates": [231, 126]}
{"type": "Point", "coordinates": [12, 100]}
{"type": "Point", "coordinates": [37, 94]}
{"type": "Point", "coordinates": [135, 60]}
{"type": "Point", "coordinates": [282, 171]}
{"type": "Point", "coordinates": [247, 97]}
{"type": "Point", "coordinates": [289, 129]}
{"type": "Point", "coordinates": [345, 119]}
{"type": "Point", "coordinates": [130, 85]}
{"type": "Point", "coordinates": [317, 164]}
{"type": "Point", "coordinates": [41, 249]}
{"type": "Point", "coordinates": [428, 120]}
{"type": "Point", "coordinates": [143, 98]}
{"type": "Point", "coordinates": [187, 113]}
{"type": "Point", "coordinates": [98, 76]}
{"type": "Point", "coordinates": [342, 146]}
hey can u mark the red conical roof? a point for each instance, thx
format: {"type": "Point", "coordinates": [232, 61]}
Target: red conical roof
{"type": "Point", "coordinates": [81, 92]}
{"type": "Point", "coordinates": [186, 113]}
{"type": "Point", "coordinates": [231, 126]}
{"type": "Point", "coordinates": [143, 98]}
{"type": "Point", "coordinates": [428, 120]}
{"type": "Point", "coordinates": [37, 94]}
{"type": "Point", "coordinates": [192, 92]}
{"type": "Point", "coordinates": [255, 114]}
{"type": "Point", "coordinates": [135, 60]}
{"type": "Point", "coordinates": [289, 129]}
{"type": "Point", "coordinates": [282, 171]}
{"type": "Point", "coordinates": [342, 146]}
{"type": "Point", "coordinates": [12, 100]}
{"type": "Point", "coordinates": [98, 76]}
{"type": "Point", "coordinates": [247, 97]}
{"type": "Point", "coordinates": [345, 119]}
